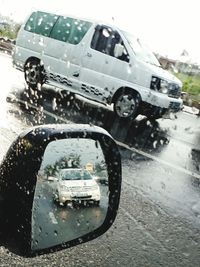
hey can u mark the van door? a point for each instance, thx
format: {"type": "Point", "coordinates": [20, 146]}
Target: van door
{"type": "Point", "coordinates": [63, 52]}
{"type": "Point", "coordinates": [101, 71]}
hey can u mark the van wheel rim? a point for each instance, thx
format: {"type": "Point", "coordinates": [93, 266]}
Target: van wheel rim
{"type": "Point", "coordinates": [33, 74]}
{"type": "Point", "coordinates": [125, 105]}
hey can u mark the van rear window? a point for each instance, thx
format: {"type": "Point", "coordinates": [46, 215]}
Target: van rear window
{"type": "Point", "coordinates": [57, 27]}
{"type": "Point", "coordinates": [70, 30]}
{"type": "Point", "coordinates": [41, 23]}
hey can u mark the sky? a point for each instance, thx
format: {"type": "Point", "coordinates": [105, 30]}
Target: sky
{"type": "Point", "coordinates": [86, 149]}
{"type": "Point", "coordinates": [167, 26]}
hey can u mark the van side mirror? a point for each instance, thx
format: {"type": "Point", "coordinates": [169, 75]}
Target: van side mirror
{"type": "Point", "coordinates": [118, 50]}
{"type": "Point", "coordinates": [43, 216]}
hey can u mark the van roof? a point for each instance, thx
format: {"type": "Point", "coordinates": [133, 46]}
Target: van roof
{"type": "Point", "coordinates": [93, 21]}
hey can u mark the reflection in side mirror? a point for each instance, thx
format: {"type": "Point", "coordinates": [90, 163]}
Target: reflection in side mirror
{"type": "Point", "coordinates": [118, 50]}
{"type": "Point", "coordinates": [60, 186]}
{"type": "Point", "coordinates": [77, 203]}
{"type": "Point", "coordinates": [52, 179]}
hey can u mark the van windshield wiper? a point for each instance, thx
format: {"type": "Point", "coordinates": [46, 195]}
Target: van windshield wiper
{"type": "Point", "coordinates": [153, 64]}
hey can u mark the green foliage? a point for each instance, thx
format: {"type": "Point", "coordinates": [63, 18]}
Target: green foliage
{"type": "Point", "coordinates": [191, 84]}
{"type": "Point", "coordinates": [187, 84]}
{"type": "Point", "coordinates": [73, 161]}
{"type": "Point", "coordinates": [10, 32]}
{"type": "Point", "coordinates": [100, 166]}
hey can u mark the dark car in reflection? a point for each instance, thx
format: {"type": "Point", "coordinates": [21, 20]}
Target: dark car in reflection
{"type": "Point", "coordinates": [101, 178]}
{"type": "Point", "coordinates": [76, 185]}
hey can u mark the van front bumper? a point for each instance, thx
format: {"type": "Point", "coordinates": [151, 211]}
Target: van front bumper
{"type": "Point", "coordinates": [156, 111]}
{"type": "Point", "coordinates": [163, 101]}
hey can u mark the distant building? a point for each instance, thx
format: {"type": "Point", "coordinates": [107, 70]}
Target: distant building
{"type": "Point", "coordinates": [165, 62]}
{"type": "Point", "coordinates": [183, 64]}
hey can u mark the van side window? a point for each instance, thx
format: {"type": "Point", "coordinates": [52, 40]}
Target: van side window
{"type": "Point", "coordinates": [41, 23]}
{"type": "Point", "coordinates": [104, 41]}
{"type": "Point", "coordinates": [70, 30]}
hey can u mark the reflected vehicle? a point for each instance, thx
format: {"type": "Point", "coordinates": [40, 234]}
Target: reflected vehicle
{"type": "Point", "coordinates": [101, 178]}
{"type": "Point", "coordinates": [76, 185]}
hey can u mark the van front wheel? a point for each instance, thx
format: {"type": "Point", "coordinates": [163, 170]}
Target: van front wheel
{"type": "Point", "coordinates": [126, 105]}
{"type": "Point", "coordinates": [34, 74]}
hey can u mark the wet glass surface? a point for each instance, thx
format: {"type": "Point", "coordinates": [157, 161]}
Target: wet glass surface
{"type": "Point", "coordinates": [71, 196]}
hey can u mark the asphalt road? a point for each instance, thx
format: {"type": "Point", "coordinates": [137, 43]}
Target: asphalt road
{"type": "Point", "coordinates": [54, 224]}
{"type": "Point", "coordinates": [159, 216]}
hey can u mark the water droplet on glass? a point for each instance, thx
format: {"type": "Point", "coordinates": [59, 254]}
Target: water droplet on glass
{"type": "Point", "coordinates": [55, 233]}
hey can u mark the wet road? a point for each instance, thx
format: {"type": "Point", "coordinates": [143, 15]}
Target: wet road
{"type": "Point", "coordinates": [159, 217]}
{"type": "Point", "coordinates": [54, 224]}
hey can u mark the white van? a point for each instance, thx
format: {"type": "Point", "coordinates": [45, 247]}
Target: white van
{"type": "Point", "coordinates": [97, 61]}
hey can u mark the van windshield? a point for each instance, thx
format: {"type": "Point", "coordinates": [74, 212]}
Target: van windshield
{"type": "Point", "coordinates": [140, 49]}
{"type": "Point", "coordinates": [75, 175]}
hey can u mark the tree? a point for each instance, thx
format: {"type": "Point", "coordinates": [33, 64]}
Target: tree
{"type": "Point", "coordinates": [72, 161]}
{"type": "Point", "coordinates": [100, 166]}
{"type": "Point", "coordinates": [10, 31]}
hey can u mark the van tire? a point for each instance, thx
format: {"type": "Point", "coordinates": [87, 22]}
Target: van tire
{"type": "Point", "coordinates": [34, 74]}
{"type": "Point", "coordinates": [126, 105]}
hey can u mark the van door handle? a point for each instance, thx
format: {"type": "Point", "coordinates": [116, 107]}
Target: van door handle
{"type": "Point", "coordinates": [89, 55]}
{"type": "Point", "coordinates": [76, 74]}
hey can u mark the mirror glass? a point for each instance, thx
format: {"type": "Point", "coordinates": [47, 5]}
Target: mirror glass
{"type": "Point", "coordinates": [71, 195]}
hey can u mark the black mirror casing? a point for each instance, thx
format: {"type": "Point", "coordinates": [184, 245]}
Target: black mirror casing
{"type": "Point", "coordinates": [18, 173]}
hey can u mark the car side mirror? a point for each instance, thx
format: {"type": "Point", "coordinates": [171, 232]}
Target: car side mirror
{"type": "Point", "coordinates": [43, 216]}
{"type": "Point", "coordinates": [118, 50]}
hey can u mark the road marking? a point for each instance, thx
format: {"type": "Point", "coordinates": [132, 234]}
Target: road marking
{"type": "Point", "coordinates": [53, 218]}
{"type": "Point", "coordinates": [144, 230]}
{"type": "Point", "coordinates": [196, 175]}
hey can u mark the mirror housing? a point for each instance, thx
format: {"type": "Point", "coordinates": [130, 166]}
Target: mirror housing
{"type": "Point", "coordinates": [118, 50]}
{"type": "Point", "coordinates": [19, 170]}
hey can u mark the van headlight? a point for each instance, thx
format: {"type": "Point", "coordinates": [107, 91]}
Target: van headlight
{"type": "Point", "coordinates": [164, 86]}
{"type": "Point", "coordinates": [159, 84]}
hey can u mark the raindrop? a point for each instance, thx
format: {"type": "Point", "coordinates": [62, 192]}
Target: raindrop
{"type": "Point", "coordinates": [106, 33]}
{"type": "Point", "coordinates": [55, 233]}
{"type": "Point", "coordinates": [186, 254]}
{"type": "Point", "coordinates": [163, 186]}
{"type": "Point", "coordinates": [129, 70]}
{"type": "Point", "coordinates": [54, 104]}
{"type": "Point", "coordinates": [155, 144]}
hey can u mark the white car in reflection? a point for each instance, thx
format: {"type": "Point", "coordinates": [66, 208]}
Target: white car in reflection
{"type": "Point", "coordinates": [76, 185]}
